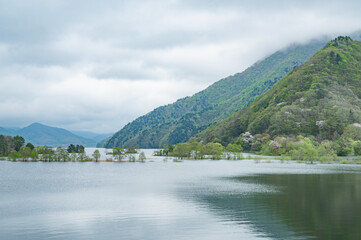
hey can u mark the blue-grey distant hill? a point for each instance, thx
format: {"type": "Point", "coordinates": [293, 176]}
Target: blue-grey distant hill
{"type": "Point", "coordinates": [91, 135]}
{"type": "Point", "coordinates": [7, 132]}
{"type": "Point", "coordinates": [186, 117]}
{"type": "Point", "coordinates": [40, 134]}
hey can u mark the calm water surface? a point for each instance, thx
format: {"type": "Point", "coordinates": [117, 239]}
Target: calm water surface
{"type": "Point", "coordinates": [189, 200]}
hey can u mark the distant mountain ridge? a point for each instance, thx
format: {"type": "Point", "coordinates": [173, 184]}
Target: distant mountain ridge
{"type": "Point", "coordinates": [186, 117]}
{"type": "Point", "coordinates": [40, 134]}
{"type": "Point", "coordinates": [91, 135]}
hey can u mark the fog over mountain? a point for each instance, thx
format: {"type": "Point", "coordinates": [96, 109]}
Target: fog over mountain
{"type": "Point", "coordinates": [95, 66]}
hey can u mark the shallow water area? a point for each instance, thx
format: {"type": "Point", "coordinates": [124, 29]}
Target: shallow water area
{"type": "Point", "coordinates": [179, 200]}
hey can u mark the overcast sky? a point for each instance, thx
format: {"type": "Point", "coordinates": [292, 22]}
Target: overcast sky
{"type": "Point", "coordinates": [96, 65]}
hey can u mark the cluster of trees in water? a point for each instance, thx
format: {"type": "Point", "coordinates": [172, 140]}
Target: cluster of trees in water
{"type": "Point", "coordinates": [299, 148]}
{"type": "Point", "coordinates": [14, 149]}
{"type": "Point", "coordinates": [198, 150]}
{"type": "Point", "coordinates": [121, 154]}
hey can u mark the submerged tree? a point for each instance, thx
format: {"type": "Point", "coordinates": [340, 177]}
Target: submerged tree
{"type": "Point", "coordinates": [61, 154]}
{"type": "Point", "coordinates": [46, 153]}
{"type": "Point", "coordinates": [34, 154]}
{"type": "Point", "coordinates": [142, 157]}
{"type": "Point", "coordinates": [96, 155]}
{"type": "Point", "coordinates": [25, 153]}
{"type": "Point", "coordinates": [118, 153]}
{"type": "Point", "coordinates": [14, 155]}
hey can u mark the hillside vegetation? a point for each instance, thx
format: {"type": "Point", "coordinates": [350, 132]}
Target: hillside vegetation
{"type": "Point", "coordinates": [320, 99]}
{"type": "Point", "coordinates": [183, 119]}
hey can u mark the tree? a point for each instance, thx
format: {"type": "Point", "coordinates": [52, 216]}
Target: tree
{"type": "Point", "coordinates": [14, 155]}
{"type": "Point", "coordinates": [80, 148]}
{"type": "Point", "coordinates": [96, 155]}
{"type": "Point", "coordinates": [30, 145]}
{"type": "Point", "coordinates": [131, 149]}
{"type": "Point", "coordinates": [61, 154]}
{"type": "Point", "coordinates": [71, 148]}
{"type": "Point", "coordinates": [215, 150]}
{"type": "Point", "coordinates": [73, 156]}
{"type": "Point", "coordinates": [182, 150]}
{"type": "Point", "coordinates": [47, 153]}
{"type": "Point", "coordinates": [142, 157]}
{"type": "Point", "coordinates": [18, 142]}
{"type": "Point", "coordinates": [75, 148]}
{"type": "Point", "coordinates": [82, 156]}
{"type": "Point", "coordinates": [34, 154]}
{"type": "Point", "coordinates": [25, 153]}
{"type": "Point", "coordinates": [234, 148]}
{"type": "Point", "coordinates": [118, 153]}
{"type": "Point", "coordinates": [343, 146]}
{"type": "Point", "coordinates": [6, 145]}
{"type": "Point", "coordinates": [357, 148]}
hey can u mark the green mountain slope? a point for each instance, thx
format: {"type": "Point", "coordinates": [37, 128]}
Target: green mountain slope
{"type": "Point", "coordinates": [40, 134]}
{"type": "Point", "coordinates": [320, 98]}
{"type": "Point", "coordinates": [181, 120]}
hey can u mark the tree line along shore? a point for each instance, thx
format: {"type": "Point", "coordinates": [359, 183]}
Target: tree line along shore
{"type": "Point", "coordinates": [15, 149]}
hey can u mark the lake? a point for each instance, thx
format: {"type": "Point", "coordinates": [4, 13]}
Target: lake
{"type": "Point", "coordinates": [186, 200]}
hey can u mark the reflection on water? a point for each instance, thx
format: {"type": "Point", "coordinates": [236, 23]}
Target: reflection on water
{"type": "Point", "coordinates": [298, 206]}
{"type": "Point", "coordinates": [327, 206]}
{"type": "Point", "coordinates": [189, 200]}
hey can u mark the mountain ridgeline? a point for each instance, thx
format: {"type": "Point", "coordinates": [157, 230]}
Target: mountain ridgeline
{"type": "Point", "coordinates": [40, 134]}
{"type": "Point", "coordinates": [321, 98]}
{"type": "Point", "coordinates": [183, 119]}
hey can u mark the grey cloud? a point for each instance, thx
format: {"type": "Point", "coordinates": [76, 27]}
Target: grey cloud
{"type": "Point", "coordinates": [95, 65]}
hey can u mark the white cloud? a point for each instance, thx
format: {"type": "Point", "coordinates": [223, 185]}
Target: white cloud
{"type": "Point", "coordinates": [87, 65]}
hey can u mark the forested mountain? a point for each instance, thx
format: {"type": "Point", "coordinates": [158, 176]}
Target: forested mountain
{"type": "Point", "coordinates": [40, 134]}
{"type": "Point", "coordinates": [181, 120]}
{"type": "Point", "coordinates": [321, 98]}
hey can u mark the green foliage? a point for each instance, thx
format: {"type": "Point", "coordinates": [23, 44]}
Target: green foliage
{"type": "Point", "coordinates": [75, 148]}
{"type": "Point", "coordinates": [73, 156]}
{"type": "Point", "coordinates": [14, 155]}
{"type": "Point", "coordinates": [82, 157]}
{"type": "Point", "coordinates": [46, 153]}
{"type": "Point", "coordinates": [214, 150]}
{"type": "Point", "coordinates": [131, 158]}
{"type": "Point", "coordinates": [357, 148]}
{"type": "Point", "coordinates": [61, 154]}
{"type": "Point", "coordinates": [131, 150]}
{"type": "Point", "coordinates": [96, 155]}
{"type": "Point", "coordinates": [18, 142]}
{"type": "Point", "coordinates": [25, 153]}
{"type": "Point", "coordinates": [321, 98]}
{"type": "Point", "coordinates": [142, 157]}
{"type": "Point", "coordinates": [344, 146]}
{"type": "Point", "coordinates": [30, 145]}
{"type": "Point", "coordinates": [352, 131]}
{"type": "Point", "coordinates": [234, 148]}
{"type": "Point", "coordinates": [182, 150]}
{"type": "Point", "coordinates": [8, 144]}
{"type": "Point", "coordinates": [177, 122]}
{"type": "Point", "coordinates": [196, 150]}
{"type": "Point", "coordinates": [305, 151]}
{"type": "Point", "coordinates": [34, 154]}
{"type": "Point", "coordinates": [326, 151]}
{"type": "Point", "coordinates": [118, 153]}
